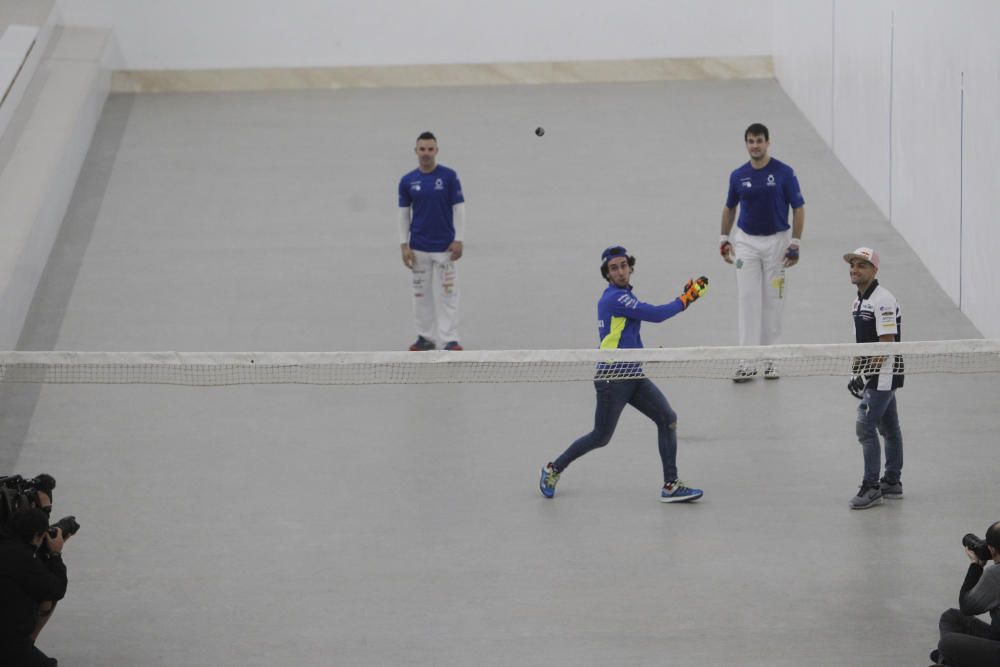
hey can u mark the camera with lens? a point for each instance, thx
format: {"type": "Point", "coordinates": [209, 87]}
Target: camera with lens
{"type": "Point", "coordinates": [68, 525]}
{"type": "Point", "coordinates": [16, 494]}
{"type": "Point", "coordinates": [978, 546]}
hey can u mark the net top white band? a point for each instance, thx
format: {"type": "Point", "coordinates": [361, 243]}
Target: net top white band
{"type": "Point", "coordinates": [486, 366]}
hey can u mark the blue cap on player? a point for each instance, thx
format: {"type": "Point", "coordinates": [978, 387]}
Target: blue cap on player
{"type": "Point", "coordinates": [613, 251]}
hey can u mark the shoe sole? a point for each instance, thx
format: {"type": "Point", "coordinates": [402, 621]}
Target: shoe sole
{"type": "Point", "coordinates": [873, 503]}
{"type": "Point", "coordinates": [742, 380]}
{"type": "Point", "coordinates": [892, 496]}
{"type": "Point", "coordinates": [682, 499]}
{"type": "Point", "coordinates": [771, 377]}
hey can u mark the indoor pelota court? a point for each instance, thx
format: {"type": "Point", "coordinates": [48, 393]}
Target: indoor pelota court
{"type": "Point", "coordinates": [402, 524]}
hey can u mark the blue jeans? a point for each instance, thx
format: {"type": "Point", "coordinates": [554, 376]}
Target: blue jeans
{"type": "Point", "coordinates": [612, 397]}
{"type": "Point", "coordinates": [877, 414]}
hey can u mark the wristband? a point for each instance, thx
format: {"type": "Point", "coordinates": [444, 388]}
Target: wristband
{"type": "Point", "coordinates": [724, 239]}
{"type": "Point", "coordinates": [795, 243]}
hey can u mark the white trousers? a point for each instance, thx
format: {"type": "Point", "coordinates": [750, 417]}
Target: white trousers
{"type": "Point", "coordinates": [760, 283]}
{"type": "Point", "coordinates": [435, 296]}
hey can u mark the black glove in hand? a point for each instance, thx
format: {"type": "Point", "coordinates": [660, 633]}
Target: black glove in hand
{"type": "Point", "coordinates": [857, 385]}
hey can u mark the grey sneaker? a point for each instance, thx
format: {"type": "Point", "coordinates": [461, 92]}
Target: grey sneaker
{"type": "Point", "coordinates": [744, 373]}
{"type": "Point", "coordinates": [869, 495]}
{"type": "Point", "coordinates": [891, 489]}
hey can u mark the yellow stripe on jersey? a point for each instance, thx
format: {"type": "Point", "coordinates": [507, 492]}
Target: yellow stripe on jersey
{"type": "Point", "coordinates": [611, 341]}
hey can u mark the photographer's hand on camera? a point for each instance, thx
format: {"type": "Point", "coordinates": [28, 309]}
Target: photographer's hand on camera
{"type": "Point", "coordinates": [54, 541]}
{"type": "Point", "coordinates": [974, 558]}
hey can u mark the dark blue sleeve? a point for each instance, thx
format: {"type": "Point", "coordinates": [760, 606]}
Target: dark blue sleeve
{"type": "Point", "coordinates": [733, 197]}
{"type": "Point", "coordinates": [404, 194]}
{"type": "Point", "coordinates": [456, 191]}
{"type": "Point", "coordinates": [629, 306]}
{"type": "Point", "coordinates": [792, 191]}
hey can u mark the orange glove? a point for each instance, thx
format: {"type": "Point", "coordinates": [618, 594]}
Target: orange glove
{"type": "Point", "coordinates": [693, 289]}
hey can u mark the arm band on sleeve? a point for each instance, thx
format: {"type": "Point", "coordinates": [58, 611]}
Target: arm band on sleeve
{"type": "Point", "coordinates": [458, 211]}
{"type": "Point", "coordinates": [404, 224]}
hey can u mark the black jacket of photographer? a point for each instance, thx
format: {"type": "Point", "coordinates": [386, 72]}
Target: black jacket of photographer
{"type": "Point", "coordinates": [981, 593]}
{"type": "Point", "coordinates": [26, 578]}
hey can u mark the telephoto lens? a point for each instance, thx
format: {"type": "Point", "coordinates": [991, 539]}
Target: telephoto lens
{"type": "Point", "coordinates": [977, 546]}
{"type": "Point", "coordinates": [68, 524]}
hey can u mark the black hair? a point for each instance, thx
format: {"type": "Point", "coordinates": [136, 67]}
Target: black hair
{"type": "Point", "coordinates": [427, 136]}
{"type": "Point", "coordinates": [29, 523]}
{"type": "Point", "coordinates": [757, 130]}
{"type": "Point", "coordinates": [993, 536]}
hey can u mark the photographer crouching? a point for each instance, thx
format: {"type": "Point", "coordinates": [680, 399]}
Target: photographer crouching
{"type": "Point", "coordinates": [28, 595]}
{"type": "Point", "coordinates": [967, 641]}
{"type": "Point", "coordinates": [26, 580]}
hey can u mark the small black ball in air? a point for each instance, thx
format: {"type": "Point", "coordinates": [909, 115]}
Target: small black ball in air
{"type": "Point", "coordinates": [539, 131]}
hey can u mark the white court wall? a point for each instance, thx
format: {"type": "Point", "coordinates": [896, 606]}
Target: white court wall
{"type": "Point", "coordinates": [221, 34]}
{"type": "Point", "coordinates": [981, 180]}
{"type": "Point", "coordinates": [802, 40]}
{"type": "Point", "coordinates": [907, 95]}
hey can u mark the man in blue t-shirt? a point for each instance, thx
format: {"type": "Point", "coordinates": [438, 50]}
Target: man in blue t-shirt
{"type": "Point", "coordinates": [619, 316]}
{"type": "Point", "coordinates": [763, 242]}
{"type": "Point", "coordinates": [431, 231]}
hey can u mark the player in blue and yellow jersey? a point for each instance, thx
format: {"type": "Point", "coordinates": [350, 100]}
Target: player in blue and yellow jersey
{"type": "Point", "coordinates": [620, 314]}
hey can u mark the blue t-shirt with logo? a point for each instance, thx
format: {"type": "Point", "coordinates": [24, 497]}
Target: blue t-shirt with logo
{"type": "Point", "coordinates": [764, 196]}
{"type": "Point", "coordinates": [619, 316]}
{"type": "Point", "coordinates": [431, 197]}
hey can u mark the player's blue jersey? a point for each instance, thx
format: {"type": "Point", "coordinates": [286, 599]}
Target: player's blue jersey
{"type": "Point", "coordinates": [431, 197]}
{"type": "Point", "coordinates": [764, 196]}
{"type": "Point", "coordinates": [619, 315]}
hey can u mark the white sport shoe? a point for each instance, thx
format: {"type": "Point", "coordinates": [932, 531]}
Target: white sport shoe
{"type": "Point", "coordinates": [771, 372]}
{"type": "Point", "coordinates": [744, 373]}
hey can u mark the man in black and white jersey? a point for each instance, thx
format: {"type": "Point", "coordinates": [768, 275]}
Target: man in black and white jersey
{"type": "Point", "coordinates": [876, 320]}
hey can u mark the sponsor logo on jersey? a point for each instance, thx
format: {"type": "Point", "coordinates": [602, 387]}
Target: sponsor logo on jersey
{"type": "Point", "coordinates": [600, 324]}
{"type": "Point", "coordinates": [628, 301]}
{"type": "Point", "coordinates": [439, 184]}
{"type": "Point", "coordinates": [745, 182]}
{"type": "Point", "coordinates": [770, 180]}
{"type": "Point", "coordinates": [415, 186]}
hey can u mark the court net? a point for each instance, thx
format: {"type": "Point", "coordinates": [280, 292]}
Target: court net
{"type": "Point", "coordinates": [208, 369]}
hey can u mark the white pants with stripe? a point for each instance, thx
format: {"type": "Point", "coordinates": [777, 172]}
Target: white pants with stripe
{"type": "Point", "coordinates": [435, 296]}
{"type": "Point", "coordinates": [760, 283]}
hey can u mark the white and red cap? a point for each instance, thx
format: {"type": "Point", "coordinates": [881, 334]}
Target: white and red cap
{"type": "Point", "coordinates": [868, 254]}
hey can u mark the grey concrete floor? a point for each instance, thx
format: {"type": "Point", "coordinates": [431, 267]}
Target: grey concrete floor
{"type": "Point", "coordinates": [401, 525]}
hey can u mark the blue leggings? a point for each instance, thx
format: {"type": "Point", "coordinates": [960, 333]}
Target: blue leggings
{"type": "Point", "coordinates": [612, 397]}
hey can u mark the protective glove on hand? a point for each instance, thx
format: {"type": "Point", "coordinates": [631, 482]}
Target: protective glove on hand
{"type": "Point", "coordinates": [693, 289]}
{"type": "Point", "coordinates": [857, 385]}
{"type": "Point", "coordinates": [726, 250]}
